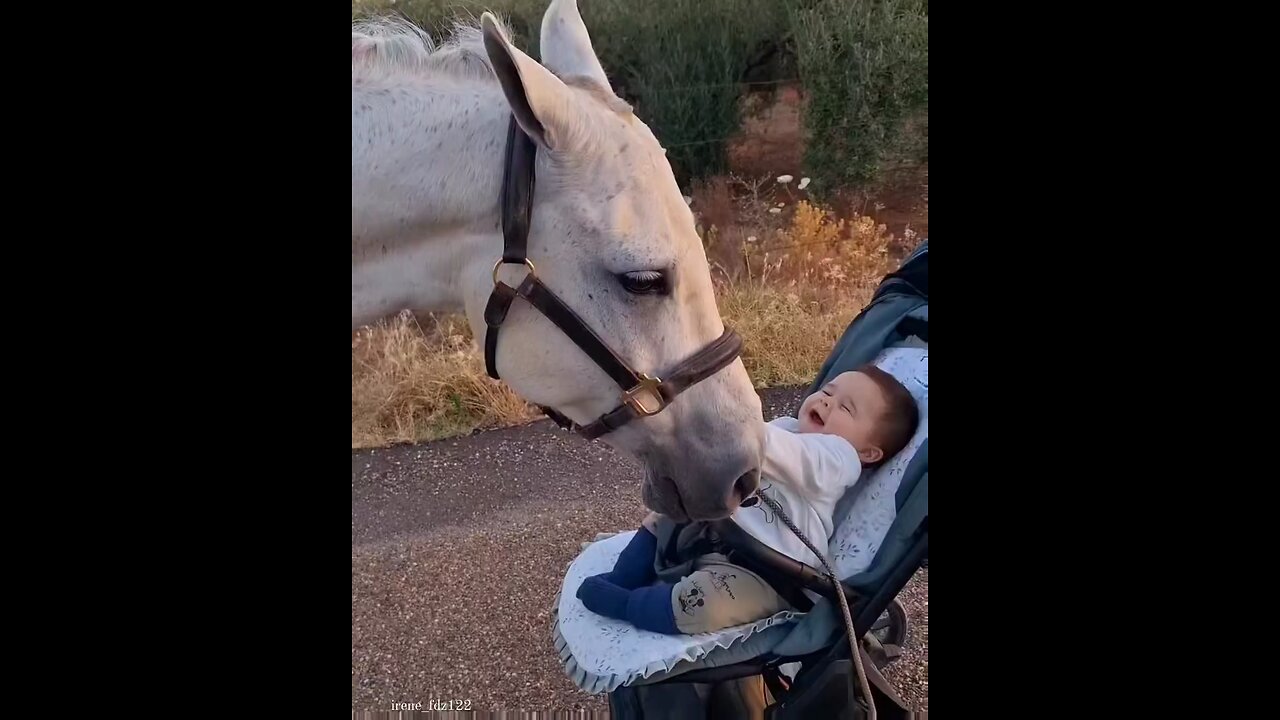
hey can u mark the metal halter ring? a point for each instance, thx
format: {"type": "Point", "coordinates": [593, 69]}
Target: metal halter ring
{"type": "Point", "coordinates": [527, 263]}
{"type": "Point", "coordinates": [649, 384]}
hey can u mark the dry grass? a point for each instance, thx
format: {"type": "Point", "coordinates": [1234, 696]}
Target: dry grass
{"type": "Point", "coordinates": [409, 384]}
{"type": "Point", "coordinates": [789, 281]}
{"type": "Point", "coordinates": [800, 276]}
{"type": "Point", "coordinates": [786, 340]}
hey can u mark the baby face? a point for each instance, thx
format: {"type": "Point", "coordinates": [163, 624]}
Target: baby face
{"type": "Point", "coordinates": [850, 406]}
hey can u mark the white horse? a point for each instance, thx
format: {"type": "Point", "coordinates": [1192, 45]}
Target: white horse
{"type": "Point", "coordinates": [611, 235]}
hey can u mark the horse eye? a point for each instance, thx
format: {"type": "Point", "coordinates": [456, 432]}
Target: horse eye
{"type": "Point", "coordinates": [644, 282]}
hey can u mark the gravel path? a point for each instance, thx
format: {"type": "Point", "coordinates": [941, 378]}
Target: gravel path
{"type": "Point", "coordinates": [458, 548]}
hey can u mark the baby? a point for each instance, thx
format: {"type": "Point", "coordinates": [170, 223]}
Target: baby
{"type": "Point", "coordinates": [857, 420]}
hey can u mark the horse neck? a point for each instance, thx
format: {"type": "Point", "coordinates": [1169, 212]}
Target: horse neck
{"type": "Point", "coordinates": [426, 174]}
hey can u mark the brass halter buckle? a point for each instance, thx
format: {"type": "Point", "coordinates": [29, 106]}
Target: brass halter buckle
{"type": "Point", "coordinates": [646, 390]}
{"type": "Point", "coordinates": [527, 263]}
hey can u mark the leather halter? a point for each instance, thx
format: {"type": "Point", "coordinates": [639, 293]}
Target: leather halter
{"type": "Point", "coordinates": [642, 395]}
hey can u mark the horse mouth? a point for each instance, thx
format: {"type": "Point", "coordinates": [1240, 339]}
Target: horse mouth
{"type": "Point", "coordinates": [662, 496]}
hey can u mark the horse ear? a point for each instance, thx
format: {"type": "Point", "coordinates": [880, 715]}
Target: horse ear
{"type": "Point", "coordinates": [566, 46]}
{"type": "Point", "coordinates": [541, 103]}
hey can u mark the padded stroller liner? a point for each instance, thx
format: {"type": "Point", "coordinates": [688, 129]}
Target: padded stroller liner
{"type": "Point", "coordinates": [601, 654]}
{"type": "Point", "coordinates": [872, 504]}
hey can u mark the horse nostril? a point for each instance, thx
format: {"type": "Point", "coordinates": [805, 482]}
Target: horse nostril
{"type": "Point", "coordinates": [747, 484]}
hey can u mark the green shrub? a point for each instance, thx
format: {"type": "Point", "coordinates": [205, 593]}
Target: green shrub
{"type": "Point", "coordinates": [865, 67]}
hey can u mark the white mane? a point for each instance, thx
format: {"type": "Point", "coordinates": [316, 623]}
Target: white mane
{"type": "Point", "coordinates": [382, 48]}
{"type": "Point", "coordinates": [385, 48]}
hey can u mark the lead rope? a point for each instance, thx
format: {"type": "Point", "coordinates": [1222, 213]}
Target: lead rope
{"type": "Point", "coordinates": [844, 602]}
